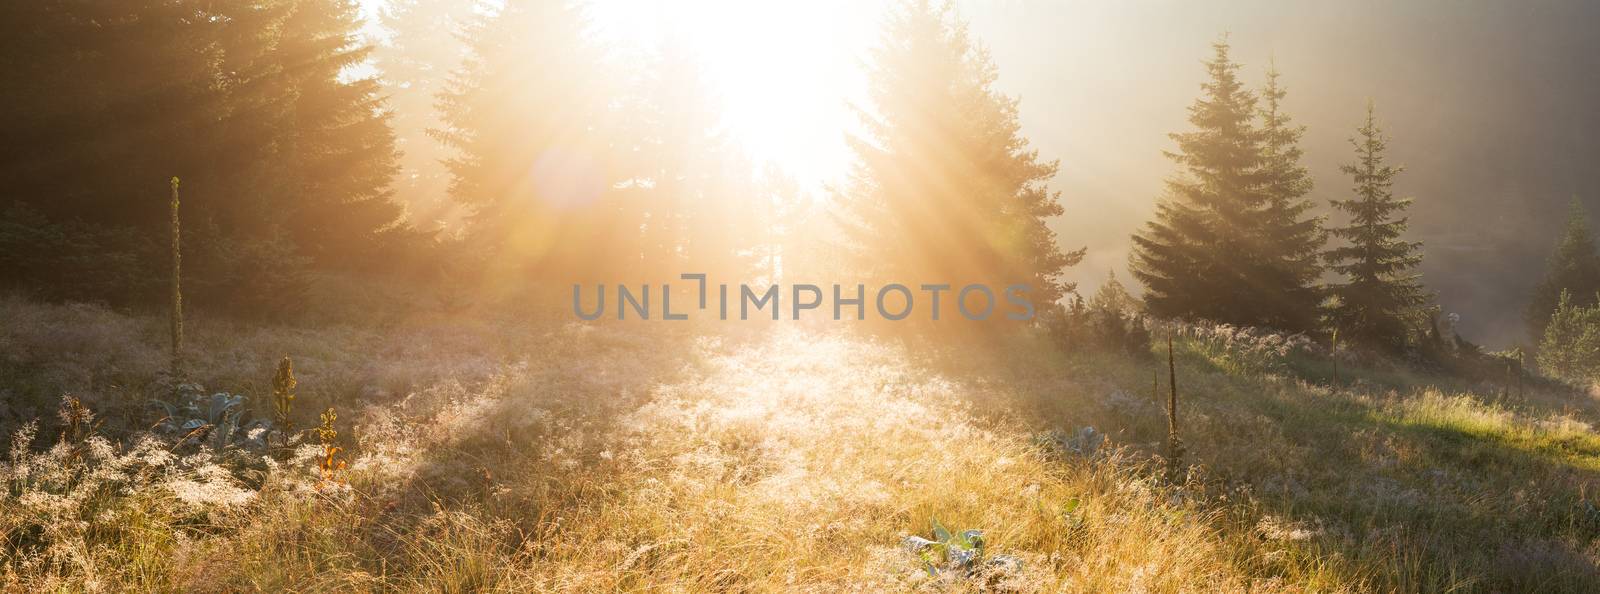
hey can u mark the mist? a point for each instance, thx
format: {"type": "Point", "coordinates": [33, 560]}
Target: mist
{"type": "Point", "coordinates": [1490, 106]}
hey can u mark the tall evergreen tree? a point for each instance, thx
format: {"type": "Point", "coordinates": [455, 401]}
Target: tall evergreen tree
{"type": "Point", "coordinates": [421, 48]}
{"type": "Point", "coordinates": [338, 147]}
{"type": "Point", "coordinates": [283, 159]}
{"type": "Point", "coordinates": [1293, 237]}
{"type": "Point", "coordinates": [945, 188]}
{"type": "Point", "coordinates": [574, 168]}
{"type": "Point", "coordinates": [1381, 286]}
{"type": "Point", "coordinates": [697, 190]}
{"type": "Point", "coordinates": [105, 101]}
{"type": "Point", "coordinates": [530, 117]}
{"type": "Point", "coordinates": [1227, 243]}
{"type": "Point", "coordinates": [1574, 268]}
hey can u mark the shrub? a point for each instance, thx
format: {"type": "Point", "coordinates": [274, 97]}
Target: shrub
{"type": "Point", "coordinates": [1111, 319]}
{"type": "Point", "coordinates": [1570, 348]}
{"type": "Point", "coordinates": [63, 502]}
{"type": "Point", "coordinates": [73, 260]}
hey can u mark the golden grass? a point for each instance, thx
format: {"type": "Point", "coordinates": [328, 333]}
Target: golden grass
{"type": "Point", "coordinates": [797, 460]}
{"type": "Point", "coordinates": [801, 464]}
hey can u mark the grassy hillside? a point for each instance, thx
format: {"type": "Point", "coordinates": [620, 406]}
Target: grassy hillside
{"type": "Point", "coordinates": [501, 455]}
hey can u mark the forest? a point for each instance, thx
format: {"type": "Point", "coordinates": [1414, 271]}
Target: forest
{"type": "Point", "coordinates": [619, 295]}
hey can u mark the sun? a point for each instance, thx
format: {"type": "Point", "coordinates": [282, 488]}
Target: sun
{"type": "Point", "coordinates": [785, 73]}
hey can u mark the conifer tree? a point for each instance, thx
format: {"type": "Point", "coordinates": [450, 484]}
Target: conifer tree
{"type": "Point", "coordinates": [530, 122]}
{"type": "Point", "coordinates": [340, 153]}
{"type": "Point", "coordinates": [1113, 297]}
{"type": "Point", "coordinates": [285, 161]}
{"type": "Point", "coordinates": [1210, 253]}
{"type": "Point", "coordinates": [1381, 286]}
{"type": "Point", "coordinates": [1569, 349]}
{"type": "Point", "coordinates": [304, 181]}
{"type": "Point", "coordinates": [84, 206]}
{"type": "Point", "coordinates": [422, 47]}
{"type": "Point", "coordinates": [1574, 268]}
{"type": "Point", "coordinates": [945, 188]}
{"type": "Point", "coordinates": [1293, 237]}
{"type": "Point", "coordinates": [699, 195]}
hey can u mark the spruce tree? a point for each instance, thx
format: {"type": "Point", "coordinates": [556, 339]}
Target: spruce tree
{"type": "Point", "coordinates": [421, 48]}
{"type": "Point", "coordinates": [1293, 237]}
{"type": "Point", "coordinates": [945, 188]}
{"type": "Point", "coordinates": [309, 162]}
{"type": "Point", "coordinates": [1574, 268]}
{"type": "Point", "coordinates": [530, 122]}
{"type": "Point", "coordinates": [1209, 252]}
{"type": "Point", "coordinates": [1381, 288]}
{"type": "Point", "coordinates": [340, 153]}
{"type": "Point", "coordinates": [1114, 298]}
{"type": "Point", "coordinates": [105, 99]}
{"type": "Point", "coordinates": [1569, 349]}
{"type": "Point", "coordinates": [284, 159]}
{"type": "Point", "coordinates": [699, 194]}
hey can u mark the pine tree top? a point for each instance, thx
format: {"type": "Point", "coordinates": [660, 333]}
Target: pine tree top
{"type": "Point", "coordinates": [1232, 240]}
{"type": "Point", "coordinates": [1577, 242]}
{"type": "Point", "coordinates": [1374, 231]}
{"type": "Point", "coordinates": [944, 177]}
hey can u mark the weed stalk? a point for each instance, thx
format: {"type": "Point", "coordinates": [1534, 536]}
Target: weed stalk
{"type": "Point", "coordinates": [177, 290]}
{"type": "Point", "coordinates": [1174, 444]}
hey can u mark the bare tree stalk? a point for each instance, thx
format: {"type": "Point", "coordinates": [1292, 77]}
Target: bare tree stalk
{"type": "Point", "coordinates": [177, 293]}
{"type": "Point", "coordinates": [1520, 395]}
{"type": "Point", "coordinates": [1174, 444]}
{"type": "Point", "coordinates": [1172, 385]}
{"type": "Point", "coordinates": [1336, 359]}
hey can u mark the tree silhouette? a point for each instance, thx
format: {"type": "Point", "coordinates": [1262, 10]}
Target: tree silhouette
{"type": "Point", "coordinates": [1381, 287]}
{"type": "Point", "coordinates": [1231, 241]}
{"type": "Point", "coordinates": [1574, 268]}
{"type": "Point", "coordinates": [945, 188]}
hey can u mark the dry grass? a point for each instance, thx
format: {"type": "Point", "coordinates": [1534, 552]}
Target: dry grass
{"type": "Point", "coordinates": [495, 457]}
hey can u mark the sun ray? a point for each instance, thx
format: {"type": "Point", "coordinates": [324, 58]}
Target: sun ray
{"type": "Point", "coordinates": [784, 73]}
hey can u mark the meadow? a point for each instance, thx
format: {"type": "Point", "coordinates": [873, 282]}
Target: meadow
{"type": "Point", "coordinates": [285, 289]}
{"type": "Point", "coordinates": [496, 454]}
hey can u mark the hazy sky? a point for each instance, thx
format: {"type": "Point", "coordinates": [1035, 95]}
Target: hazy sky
{"type": "Point", "coordinates": [1491, 106]}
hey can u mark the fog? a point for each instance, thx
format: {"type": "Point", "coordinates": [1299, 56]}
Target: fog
{"type": "Point", "coordinates": [1490, 106]}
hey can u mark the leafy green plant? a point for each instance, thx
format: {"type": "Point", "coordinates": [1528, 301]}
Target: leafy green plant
{"type": "Point", "coordinates": [1072, 515]}
{"type": "Point", "coordinates": [220, 421]}
{"type": "Point", "coordinates": [951, 552]}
